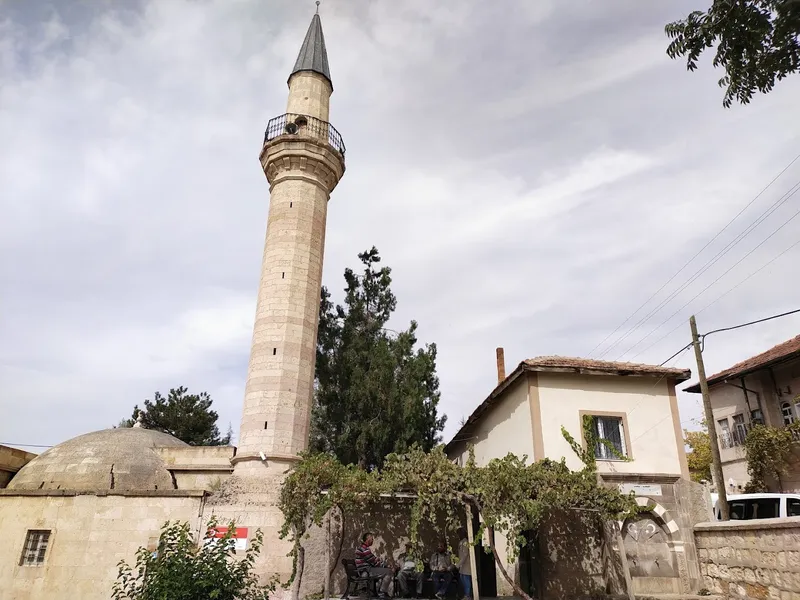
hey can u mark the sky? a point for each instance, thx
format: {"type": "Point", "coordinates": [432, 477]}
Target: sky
{"type": "Point", "coordinates": [532, 172]}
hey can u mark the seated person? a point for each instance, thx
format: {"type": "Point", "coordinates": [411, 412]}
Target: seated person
{"type": "Point", "coordinates": [441, 569]}
{"type": "Point", "coordinates": [408, 572]}
{"type": "Point", "coordinates": [367, 562]}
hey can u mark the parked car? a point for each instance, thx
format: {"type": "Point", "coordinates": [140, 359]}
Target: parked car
{"type": "Point", "coordinates": [759, 506]}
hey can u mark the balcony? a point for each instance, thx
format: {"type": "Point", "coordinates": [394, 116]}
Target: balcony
{"type": "Point", "coordinates": [304, 126]}
{"type": "Point", "coordinates": [733, 438]}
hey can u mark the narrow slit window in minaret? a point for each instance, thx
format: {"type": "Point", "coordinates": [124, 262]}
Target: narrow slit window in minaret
{"type": "Point", "coordinates": [265, 424]}
{"type": "Point", "coordinates": [274, 351]}
{"type": "Point", "coordinates": [283, 275]}
{"type": "Point", "coordinates": [290, 204]}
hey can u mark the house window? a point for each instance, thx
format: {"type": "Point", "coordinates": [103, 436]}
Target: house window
{"type": "Point", "coordinates": [612, 431]}
{"type": "Point", "coordinates": [788, 414]}
{"type": "Point", "coordinates": [35, 548]}
{"type": "Point", "coordinates": [739, 430]}
{"type": "Point", "coordinates": [724, 433]}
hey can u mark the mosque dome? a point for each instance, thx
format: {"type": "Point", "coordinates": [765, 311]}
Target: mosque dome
{"type": "Point", "coordinates": [120, 459]}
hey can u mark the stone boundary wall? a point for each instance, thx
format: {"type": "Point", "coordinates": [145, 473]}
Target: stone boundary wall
{"type": "Point", "coordinates": [757, 559]}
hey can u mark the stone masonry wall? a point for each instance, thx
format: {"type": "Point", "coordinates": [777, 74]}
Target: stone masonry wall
{"type": "Point", "coordinates": [751, 559]}
{"type": "Point", "coordinates": [89, 535]}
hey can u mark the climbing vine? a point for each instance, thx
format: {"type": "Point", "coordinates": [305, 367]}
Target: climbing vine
{"type": "Point", "coordinates": [768, 450]}
{"type": "Point", "coordinates": [510, 494]}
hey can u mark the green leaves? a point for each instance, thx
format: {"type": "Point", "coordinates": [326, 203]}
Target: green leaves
{"type": "Point", "coordinates": [510, 494]}
{"type": "Point", "coordinates": [186, 416]}
{"type": "Point", "coordinates": [699, 459]}
{"type": "Point", "coordinates": [375, 392]}
{"type": "Point", "coordinates": [768, 450]}
{"type": "Point", "coordinates": [180, 570]}
{"type": "Point", "coordinates": [757, 43]}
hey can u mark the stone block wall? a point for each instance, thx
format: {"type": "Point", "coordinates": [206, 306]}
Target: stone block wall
{"type": "Point", "coordinates": [89, 535]}
{"type": "Point", "coordinates": [757, 559]}
{"type": "Point", "coordinates": [197, 456]}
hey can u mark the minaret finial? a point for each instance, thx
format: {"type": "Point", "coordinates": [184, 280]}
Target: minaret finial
{"type": "Point", "coordinates": [317, 6]}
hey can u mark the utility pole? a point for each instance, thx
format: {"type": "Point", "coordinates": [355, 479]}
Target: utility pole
{"type": "Point", "coordinates": [716, 462]}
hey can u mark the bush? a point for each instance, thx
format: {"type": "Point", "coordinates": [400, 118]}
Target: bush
{"type": "Point", "coordinates": [180, 570]}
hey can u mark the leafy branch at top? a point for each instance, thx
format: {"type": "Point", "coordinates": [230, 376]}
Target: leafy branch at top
{"type": "Point", "coordinates": [757, 43]}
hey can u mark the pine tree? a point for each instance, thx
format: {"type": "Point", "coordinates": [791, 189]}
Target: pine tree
{"type": "Point", "coordinates": [375, 393]}
{"type": "Point", "coordinates": [186, 416]}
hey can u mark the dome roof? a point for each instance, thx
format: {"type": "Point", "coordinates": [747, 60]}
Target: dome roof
{"type": "Point", "coordinates": [111, 459]}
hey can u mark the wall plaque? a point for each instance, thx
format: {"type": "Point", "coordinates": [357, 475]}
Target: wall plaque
{"type": "Point", "coordinates": [640, 489]}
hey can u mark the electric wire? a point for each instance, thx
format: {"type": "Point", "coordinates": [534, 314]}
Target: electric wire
{"type": "Point", "coordinates": [24, 445]}
{"type": "Point", "coordinates": [717, 299]}
{"type": "Point", "coordinates": [701, 292]}
{"type": "Point", "coordinates": [679, 271]}
{"type": "Point", "coordinates": [702, 338]}
{"type": "Point", "coordinates": [710, 263]}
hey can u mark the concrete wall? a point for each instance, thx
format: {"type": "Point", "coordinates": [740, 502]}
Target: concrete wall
{"type": "Point", "coordinates": [751, 559]}
{"type": "Point", "coordinates": [11, 461]}
{"type": "Point", "coordinates": [506, 428]}
{"type": "Point", "coordinates": [645, 402]}
{"type": "Point", "coordinates": [89, 536]}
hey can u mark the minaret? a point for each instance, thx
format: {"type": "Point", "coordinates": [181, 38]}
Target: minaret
{"type": "Point", "coordinates": [303, 159]}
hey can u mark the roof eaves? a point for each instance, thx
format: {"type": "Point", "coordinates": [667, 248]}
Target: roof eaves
{"type": "Point", "coordinates": [485, 405]}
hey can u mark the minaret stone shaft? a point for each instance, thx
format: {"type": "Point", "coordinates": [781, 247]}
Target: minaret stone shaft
{"type": "Point", "coordinates": [303, 159]}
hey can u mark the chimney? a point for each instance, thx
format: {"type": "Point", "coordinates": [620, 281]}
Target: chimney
{"type": "Point", "coordinates": [501, 366]}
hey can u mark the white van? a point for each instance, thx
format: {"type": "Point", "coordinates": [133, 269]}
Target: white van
{"type": "Point", "coordinates": [759, 506]}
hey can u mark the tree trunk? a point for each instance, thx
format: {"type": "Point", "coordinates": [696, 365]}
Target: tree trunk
{"type": "Point", "coordinates": [341, 543]}
{"type": "Point", "coordinates": [469, 499]}
{"type": "Point", "coordinates": [506, 576]}
{"type": "Point", "coordinates": [298, 578]}
{"type": "Point", "coordinates": [327, 590]}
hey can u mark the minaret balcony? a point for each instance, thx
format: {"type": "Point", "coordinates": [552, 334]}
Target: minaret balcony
{"type": "Point", "coordinates": [304, 126]}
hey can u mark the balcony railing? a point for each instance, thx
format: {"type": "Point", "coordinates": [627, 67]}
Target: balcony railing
{"type": "Point", "coordinates": [733, 438]}
{"type": "Point", "coordinates": [304, 126]}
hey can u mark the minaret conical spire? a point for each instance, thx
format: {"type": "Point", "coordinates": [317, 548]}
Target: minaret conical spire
{"type": "Point", "coordinates": [313, 54]}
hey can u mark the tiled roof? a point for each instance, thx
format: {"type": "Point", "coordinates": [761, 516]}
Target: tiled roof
{"type": "Point", "coordinates": [784, 351]}
{"type": "Point", "coordinates": [566, 364]}
{"type": "Point", "coordinates": [600, 367]}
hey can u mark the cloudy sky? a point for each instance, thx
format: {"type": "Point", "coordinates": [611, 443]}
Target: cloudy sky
{"type": "Point", "coordinates": [531, 171]}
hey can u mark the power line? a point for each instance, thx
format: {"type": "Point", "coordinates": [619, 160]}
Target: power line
{"type": "Point", "coordinates": [698, 253]}
{"type": "Point", "coordinates": [701, 292]}
{"type": "Point", "coordinates": [703, 336]}
{"type": "Point", "coordinates": [718, 298]}
{"type": "Point", "coordinates": [24, 445]}
{"type": "Point", "coordinates": [710, 263]}
{"type": "Point", "coordinates": [786, 314]}
{"type": "Point", "coordinates": [679, 271]}
{"type": "Point", "coordinates": [681, 351]}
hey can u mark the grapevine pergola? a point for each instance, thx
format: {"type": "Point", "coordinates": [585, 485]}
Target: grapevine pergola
{"type": "Point", "coordinates": [510, 495]}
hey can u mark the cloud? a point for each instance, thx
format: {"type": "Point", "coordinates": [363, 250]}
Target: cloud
{"type": "Point", "coordinates": [531, 175]}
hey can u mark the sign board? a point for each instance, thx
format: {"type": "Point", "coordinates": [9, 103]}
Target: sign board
{"type": "Point", "coordinates": [238, 539]}
{"type": "Point", "coordinates": [640, 489]}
